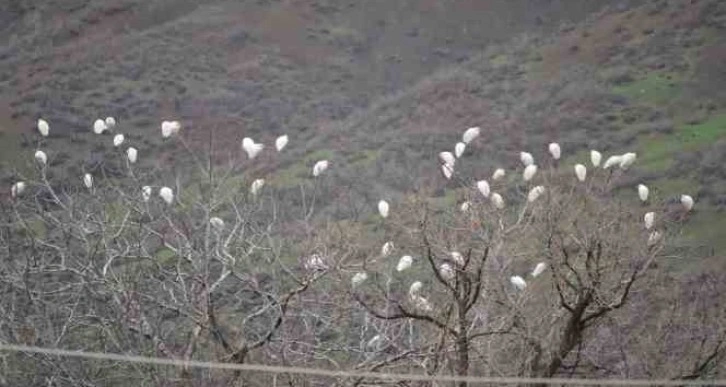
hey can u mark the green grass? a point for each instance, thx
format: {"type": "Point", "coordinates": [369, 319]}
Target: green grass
{"type": "Point", "coordinates": [655, 88]}
{"type": "Point", "coordinates": [294, 174]}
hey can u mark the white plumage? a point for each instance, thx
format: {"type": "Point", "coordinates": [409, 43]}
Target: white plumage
{"type": "Point", "coordinates": [404, 263]}
{"type": "Point", "coordinates": [315, 262]}
{"type": "Point", "coordinates": [465, 206]}
{"type": "Point", "coordinates": [447, 170]}
{"type": "Point", "coordinates": [529, 172]}
{"type": "Point", "coordinates": [110, 122]}
{"type": "Point", "coordinates": [320, 167]}
{"type": "Point", "coordinates": [612, 160]}
{"type": "Point", "coordinates": [687, 202]}
{"type": "Point", "coordinates": [470, 134]}
{"type": "Point", "coordinates": [422, 303]}
{"type": "Point", "coordinates": [281, 142]}
{"type": "Point", "coordinates": [627, 160]}
{"type": "Point", "coordinates": [498, 174]}
{"type": "Point", "coordinates": [17, 189]}
{"type": "Point", "coordinates": [252, 148]}
{"type": "Point", "coordinates": [446, 271]}
{"type": "Point", "coordinates": [555, 150]}
{"type": "Point", "coordinates": [580, 172]}
{"type": "Point", "coordinates": [132, 154]}
{"type": "Point", "coordinates": [649, 220]}
{"type": "Point", "coordinates": [88, 180]}
{"type": "Point", "coordinates": [643, 192]}
{"type": "Point", "coordinates": [216, 223]}
{"type": "Point", "coordinates": [99, 126]}
{"type": "Point", "coordinates": [459, 149]}
{"type": "Point", "coordinates": [41, 157]}
{"type": "Point", "coordinates": [43, 127]}
{"type": "Point", "coordinates": [526, 158]}
{"type": "Point", "coordinates": [166, 129]}
{"type": "Point", "coordinates": [118, 140]}
{"type": "Point", "coordinates": [448, 158]}
{"type": "Point", "coordinates": [387, 248]}
{"type": "Point", "coordinates": [146, 193]}
{"type": "Point", "coordinates": [358, 278]}
{"type": "Point", "coordinates": [518, 282]}
{"type": "Point", "coordinates": [595, 158]}
{"type": "Point", "coordinates": [167, 194]}
{"type": "Point", "coordinates": [383, 208]}
{"type": "Point", "coordinates": [458, 258]}
{"type": "Point", "coordinates": [535, 193]}
{"type": "Point", "coordinates": [483, 187]}
{"type": "Point", "coordinates": [257, 186]}
{"type": "Point", "coordinates": [415, 288]}
{"type": "Point", "coordinates": [372, 343]}
{"type": "Point", "coordinates": [539, 269]}
{"type": "Point", "coordinates": [497, 200]}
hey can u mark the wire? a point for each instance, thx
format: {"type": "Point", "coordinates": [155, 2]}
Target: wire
{"type": "Point", "coordinates": [352, 374]}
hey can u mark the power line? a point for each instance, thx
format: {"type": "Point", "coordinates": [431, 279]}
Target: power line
{"type": "Point", "coordinates": [351, 374]}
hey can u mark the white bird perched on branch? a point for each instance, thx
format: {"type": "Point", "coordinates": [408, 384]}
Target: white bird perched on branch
{"type": "Point", "coordinates": [383, 208]}
{"type": "Point", "coordinates": [595, 158]}
{"type": "Point", "coordinates": [580, 172]}
{"type": "Point", "coordinates": [518, 282]}
{"type": "Point", "coordinates": [446, 271]}
{"type": "Point", "coordinates": [529, 172]}
{"type": "Point", "coordinates": [497, 200]}
{"type": "Point", "coordinates": [387, 248]}
{"type": "Point", "coordinates": [132, 154]}
{"type": "Point", "coordinates": [535, 193]}
{"type": "Point", "coordinates": [358, 278]}
{"type": "Point", "coordinates": [643, 192]}
{"type": "Point", "coordinates": [539, 269]}
{"type": "Point", "coordinates": [281, 142]}
{"type": "Point", "coordinates": [687, 202]}
{"type": "Point", "coordinates": [415, 288]}
{"type": "Point", "coordinates": [470, 134]}
{"type": "Point", "coordinates": [526, 158]}
{"type": "Point", "coordinates": [118, 139]}
{"type": "Point", "coordinates": [404, 263]}
{"type": "Point", "coordinates": [653, 238]}
{"type": "Point", "coordinates": [320, 167]}
{"type": "Point", "coordinates": [612, 160]}
{"type": "Point", "coordinates": [167, 194]}
{"type": "Point", "coordinates": [447, 170]}
{"type": "Point", "coordinates": [216, 223]}
{"type": "Point", "coordinates": [17, 189]}
{"type": "Point", "coordinates": [41, 157]}
{"type": "Point", "coordinates": [448, 158]}
{"type": "Point", "coordinates": [146, 193]}
{"type": "Point", "coordinates": [99, 126]}
{"type": "Point", "coordinates": [458, 258]}
{"type": "Point", "coordinates": [459, 149]}
{"type": "Point", "coordinates": [170, 128]}
{"type": "Point", "coordinates": [498, 174]}
{"type": "Point", "coordinates": [252, 148]}
{"type": "Point", "coordinates": [627, 160]}
{"type": "Point", "coordinates": [465, 206]}
{"type": "Point", "coordinates": [88, 180]}
{"type": "Point", "coordinates": [483, 187]}
{"type": "Point", "coordinates": [649, 220]}
{"type": "Point", "coordinates": [256, 186]}
{"type": "Point", "coordinates": [555, 150]}
{"type": "Point", "coordinates": [110, 122]}
{"type": "Point", "coordinates": [43, 127]}
{"type": "Point", "coordinates": [315, 262]}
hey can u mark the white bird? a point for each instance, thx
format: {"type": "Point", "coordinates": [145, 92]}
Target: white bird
{"type": "Point", "coordinates": [166, 129]}
{"type": "Point", "coordinates": [643, 192]}
{"type": "Point", "coordinates": [555, 150]}
{"type": "Point", "coordinates": [167, 194]}
{"type": "Point", "coordinates": [41, 157]}
{"type": "Point", "coordinates": [146, 193]}
{"type": "Point", "coordinates": [132, 154]}
{"type": "Point", "coordinates": [175, 127]}
{"type": "Point", "coordinates": [422, 304]}
{"type": "Point", "coordinates": [374, 341]}
{"type": "Point", "coordinates": [458, 258]}
{"type": "Point", "coordinates": [483, 187]}
{"type": "Point", "coordinates": [580, 172]}
{"type": "Point", "coordinates": [88, 180]}
{"type": "Point", "coordinates": [217, 223]}
{"type": "Point", "coordinates": [526, 158]}
{"type": "Point", "coordinates": [653, 238]}
{"type": "Point", "coordinates": [315, 263]}
{"type": "Point", "coordinates": [465, 206]}
{"type": "Point", "coordinates": [497, 200]}
{"type": "Point", "coordinates": [358, 278]}
{"type": "Point", "coordinates": [447, 170]}
{"type": "Point", "coordinates": [498, 174]}
{"type": "Point", "coordinates": [627, 160]}
{"type": "Point", "coordinates": [110, 122]}
{"type": "Point", "coordinates": [387, 248]}
{"type": "Point", "coordinates": [256, 186]}
{"type": "Point", "coordinates": [281, 142]}
{"type": "Point", "coordinates": [446, 271]}
{"type": "Point", "coordinates": [595, 158]}
{"type": "Point", "coordinates": [415, 288]}
{"type": "Point", "coordinates": [470, 134]}
{"type": "Point", "coordinates": [535, 193]}
{"type": "Point", "coordinates": [383, 208]}
{"type": "Point", "coordinates": [539, 269]}
{"type": "Point", "coordinates": [687, 202]}
{"type": "Point", "coordinates": [529, 172]}
{"type": "Point", "coordinates": [518, 282]}
{"type": "Point", "coordinates": [252, 148]}
{"type": "Point", "coordinates": [459, 149]}
{"type": "Point", "coordinates": [448, 158]}
{"type": "Point", "coordinates": [118, 139]}
{"type": "Point", "coordinates": [320, 167]}
{"type": "Point", "coordinates": [612, 160]}
{"type": "Point", "coordinates": [99, 126]}
{"type": "Point", "coordinates": [17, 189]}
{"type": "Point", "coordinates": [43, 127]}
{"type": "Point", "coordinates": [404, 263]}
{"type": "Point", "coordinates": [649, 220]}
